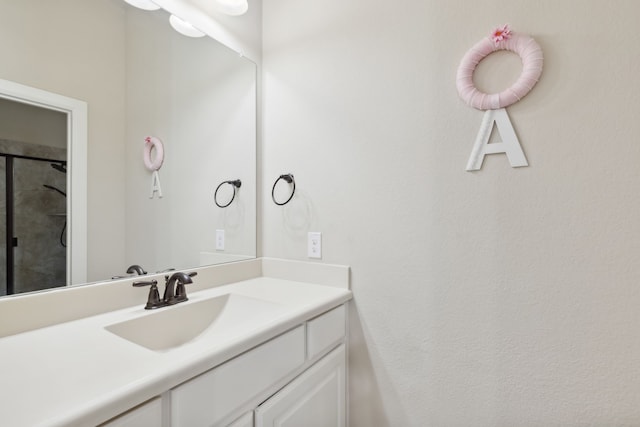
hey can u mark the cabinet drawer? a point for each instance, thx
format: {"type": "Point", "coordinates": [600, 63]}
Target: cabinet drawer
{"type": "Point", "coordinates": [148, 414]}
{"type": "Point", "coordinates": [244, 421]}
{"type": "Point", "coordinates": [325, 331]}
{"type": "Point", "coordinates": [214, 395]}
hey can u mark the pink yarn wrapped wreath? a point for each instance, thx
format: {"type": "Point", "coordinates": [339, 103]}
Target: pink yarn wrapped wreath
{"type": "Point", "coordinates": [501, 39]}
{"type": "Point", "coordinates": [151, 142]}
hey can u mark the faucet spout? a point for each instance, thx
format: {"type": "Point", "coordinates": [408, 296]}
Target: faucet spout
{"type": "Point", "coordinates": [135, 268]}
{"type": "Point", "coordinates": [174, 288]}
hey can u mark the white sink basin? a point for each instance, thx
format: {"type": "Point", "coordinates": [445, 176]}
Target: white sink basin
{"type": "Point", "coordinates": [170, 327]}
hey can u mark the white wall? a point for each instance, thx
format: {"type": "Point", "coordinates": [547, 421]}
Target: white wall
{"type": "Point", "coordinates": [506, 297]}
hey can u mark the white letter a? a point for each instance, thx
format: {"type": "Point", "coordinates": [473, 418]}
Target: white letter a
{"type": "Point", "coordinates": [509, 145]}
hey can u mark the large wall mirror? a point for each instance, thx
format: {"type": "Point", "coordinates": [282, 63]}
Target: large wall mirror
{"type": "Point", "coordinates": [137, 78]}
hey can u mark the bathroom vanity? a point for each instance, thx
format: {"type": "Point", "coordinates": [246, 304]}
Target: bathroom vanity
{"type": "Point", "coordinates": [259, 342]}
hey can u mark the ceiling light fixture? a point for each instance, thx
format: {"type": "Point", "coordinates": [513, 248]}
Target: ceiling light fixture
{"type": "Point", "coordinates": [184, 28]}
{"type": "Point", "coordinates": [233, 7]}
{"type": "Point", "coordinates": [143, 4]}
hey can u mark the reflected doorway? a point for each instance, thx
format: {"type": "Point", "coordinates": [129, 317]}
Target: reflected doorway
{"type": "Point", "coordinates": [33, 197]}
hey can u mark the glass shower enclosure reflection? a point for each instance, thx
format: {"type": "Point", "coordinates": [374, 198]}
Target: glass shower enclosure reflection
{"type": "Point", "coordinates": [33, 221]}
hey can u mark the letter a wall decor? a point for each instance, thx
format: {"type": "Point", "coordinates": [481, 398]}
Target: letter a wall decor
{"type": "Point", "coordinates": [154, 165]}
{"type": "Point", "coordinates": [494, 104]}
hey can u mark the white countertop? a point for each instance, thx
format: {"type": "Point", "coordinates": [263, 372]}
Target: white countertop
{"type": "Point", "coordinates": [78, 373]}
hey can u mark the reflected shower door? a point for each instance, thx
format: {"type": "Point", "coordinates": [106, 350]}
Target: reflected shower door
{"type": "Point", "coordinates": [39, 224]}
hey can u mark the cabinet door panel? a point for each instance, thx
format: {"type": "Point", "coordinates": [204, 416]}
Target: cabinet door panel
{"type": "Point", "coordinates": [314, 399]}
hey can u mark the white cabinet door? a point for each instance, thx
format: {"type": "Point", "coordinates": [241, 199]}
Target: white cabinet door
{"type": "Point", "coordinates": [148, 414]}
{"type": "Point", "coordinates": [314, 399]}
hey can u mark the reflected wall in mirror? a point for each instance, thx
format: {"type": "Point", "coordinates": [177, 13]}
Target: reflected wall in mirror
{"type": "Point", "coordinates": [140, 78]}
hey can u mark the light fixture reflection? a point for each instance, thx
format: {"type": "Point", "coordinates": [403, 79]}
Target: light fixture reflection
{"type": "Point", "coordinates": [184, 28]}
{"type": "Point", "coordinates": [143, 4]}
{"type": "Point", "coordinates": [233, 7]}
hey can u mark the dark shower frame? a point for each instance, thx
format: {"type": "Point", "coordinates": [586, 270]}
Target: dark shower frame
{"type": "Point", "coordinates": [11, 241]}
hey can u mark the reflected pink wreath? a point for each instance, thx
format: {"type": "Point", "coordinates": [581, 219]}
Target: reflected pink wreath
{"type": "Point", "coordinates": [150, 143]}
{"type": "Point", "coordinates": [501, 39]}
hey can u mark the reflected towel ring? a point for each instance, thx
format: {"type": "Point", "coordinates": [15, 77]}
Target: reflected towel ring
{"type": "Point", "coordinates": [235, 184]}
{"type": "Point", "coordinates": [289, 179]}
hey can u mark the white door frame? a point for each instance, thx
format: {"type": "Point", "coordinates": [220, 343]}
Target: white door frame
{"type": "Point", "coordinates": [76, 112]}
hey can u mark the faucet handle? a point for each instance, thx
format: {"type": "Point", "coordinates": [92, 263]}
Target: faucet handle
{"type": "Point", "coordinates": [153, 301]}
{"type": "Point", "coordinates": [145, 283]}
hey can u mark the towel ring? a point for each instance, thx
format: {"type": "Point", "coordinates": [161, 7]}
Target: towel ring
{"type": "Point", "coordinates": [235, 184]}
{"type": "Point", "coordinates": [288, 178]}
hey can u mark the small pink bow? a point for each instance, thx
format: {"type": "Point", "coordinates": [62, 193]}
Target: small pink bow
{"type": "Point", "coordinates": [501, 33]}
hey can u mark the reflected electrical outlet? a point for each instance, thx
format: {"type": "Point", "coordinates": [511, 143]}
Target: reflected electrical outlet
{"type": "Point", "coordinates": [219, 240]}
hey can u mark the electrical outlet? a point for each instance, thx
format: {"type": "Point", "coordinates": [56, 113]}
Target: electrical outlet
{"type": "Point", "coordinates": [219, 240]}
{"type": "Point", "coordinates": [314, 246]}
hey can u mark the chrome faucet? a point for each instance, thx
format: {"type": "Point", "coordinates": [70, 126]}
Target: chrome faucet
{"type": "Point", "coordinates": [135, 268]}
{"type": "Point", "coordinates": [174, 291]}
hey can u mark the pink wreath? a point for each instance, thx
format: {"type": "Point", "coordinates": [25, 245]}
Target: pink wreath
{"type": "Point", "coordinates": [501, 39]}
{"type": "Point", "coordinates": [151, 142]}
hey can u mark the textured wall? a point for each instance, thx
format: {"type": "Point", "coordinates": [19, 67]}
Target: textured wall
{"type": "Point", "coordinates": [505, 297]}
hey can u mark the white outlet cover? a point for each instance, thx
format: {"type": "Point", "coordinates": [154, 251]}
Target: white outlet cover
{"type": "Point", "coordinates": [314, 245]}
{"type": "Point", "coordinates": [220, 240]}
